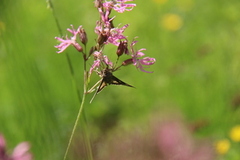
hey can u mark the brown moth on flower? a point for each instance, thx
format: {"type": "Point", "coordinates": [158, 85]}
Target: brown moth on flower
{"type": "Point", "coordinates": [107, 79]}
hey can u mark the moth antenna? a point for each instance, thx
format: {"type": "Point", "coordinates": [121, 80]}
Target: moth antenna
{"type": "Point", "coordinates": [93, 97]}
{"type": "Point", "coordinates": [97, 91]}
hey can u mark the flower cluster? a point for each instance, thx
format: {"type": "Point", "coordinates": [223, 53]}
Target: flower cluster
{"type": "Point", "coordinates": [20, 152]}
{"type": "Point", "coordinates": [107, 34]}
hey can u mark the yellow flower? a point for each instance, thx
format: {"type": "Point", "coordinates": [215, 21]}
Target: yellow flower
{"type": "Point", "coordinates": [222, 146]}
{"type": "Point", "coordinates": [235, 133]}
{"type": "Point", "coordinates": [172, 22]}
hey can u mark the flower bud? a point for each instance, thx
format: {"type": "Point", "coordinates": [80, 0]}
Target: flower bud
{"type": "Point", "coordinates": [127, 62]}
{"type": "Point", "coordinates": [101, 39]}
{"type": "Point", "coordinates": [98, 3]}
{"type": "Point", "coordinates": [122, 48]}
{"type": "Point", "coordinates": [78, 47]}
{"type": "Point", "coordinates": [83, 36]}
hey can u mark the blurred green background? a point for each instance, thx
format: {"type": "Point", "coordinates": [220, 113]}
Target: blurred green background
{"type": "Point", "coordinates": [195, 43]}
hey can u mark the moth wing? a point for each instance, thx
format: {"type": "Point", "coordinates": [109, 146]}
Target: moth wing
{"type": "Point", "coordinates": [117, 81]}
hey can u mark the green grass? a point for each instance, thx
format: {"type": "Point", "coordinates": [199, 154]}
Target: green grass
{"type": "Point", "coordinates": [196, 73]}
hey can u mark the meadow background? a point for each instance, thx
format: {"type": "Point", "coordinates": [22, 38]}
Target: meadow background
{"type": "Point", "coordinates": [196, 75]}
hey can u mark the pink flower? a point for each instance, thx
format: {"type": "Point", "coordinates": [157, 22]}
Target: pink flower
{"type": "Point", "coordinates": [146, 61]}
{"type": "Point", "coordinates": [141, 63]}
{"type": "Point", "coordinates": [95, 64]}
{"type": "Point", "coordinates": [20, 152]}
{"type": "Point", "coordinates": [107, 61]}
{"type": "Point", "coordinates": [105, 16]}
{"type": "Point", "coordinates": [100, 60]}
{"type": "Point", "coordinates": [116, 34]}
{"type": "Point", "coordinates": [110, 35]}
{"type": "Point", "coordinates": [176, 142]}
{"type": "Point", "coordinates": [2, 148]}
{"type": "Point", "coordinates": [65, 43]}
{"type": "Point", "coordinates": [168, 139]}
{"type": "Point", "coordinates": [119, 5]}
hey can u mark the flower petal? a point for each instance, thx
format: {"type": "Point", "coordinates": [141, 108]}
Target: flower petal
{"type": "Point", "coordinates": [147, 61]}
{"type": "Point", "coordinates": [96, 64]}
{"type": "Point", "coordinates": [20, 152]}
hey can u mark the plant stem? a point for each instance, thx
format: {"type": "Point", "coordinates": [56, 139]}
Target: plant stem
{"type": "Point", "coordinates": [50, 5]}
{"type": "Point", "coordinates": [78, 117]}
{"type": "Point", "coordinates": [75, 126]}
{"type": "Point", "coordinates": [89, 148]}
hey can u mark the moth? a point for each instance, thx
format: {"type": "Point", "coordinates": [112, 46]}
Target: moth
{"type": "Point", "coordinates": [107, 79]}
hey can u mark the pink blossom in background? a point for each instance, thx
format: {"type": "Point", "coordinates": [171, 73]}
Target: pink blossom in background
{"type": "Point", "coordinates": [176, 142]}
{"type": "Point", "coordinates": [20, 152]}
{"type": "Point", "coordinates": [168, 139]}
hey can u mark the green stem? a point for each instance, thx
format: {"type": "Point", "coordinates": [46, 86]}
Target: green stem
{"type": "Point", "coordinates": [89, 148]}
{"type": "Point", "coordinates": [50, 5]}
{"type": "Point", "coordinates": [78, 118]}
{"type": "Point", "coordinates": [75, 125]}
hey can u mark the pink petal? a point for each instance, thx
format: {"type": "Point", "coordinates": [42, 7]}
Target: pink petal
{"type": "Point", "coordinates": [20, 152]}
{"type": "Point", "coordinates": [96, 64]}
{"type": "Point", "coordinates": [147, 61]}
{"type": "Point", "coordinates": [2, 142]}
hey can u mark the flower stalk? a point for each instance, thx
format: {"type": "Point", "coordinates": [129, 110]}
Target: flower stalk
{"type": "Point", "coordinates": [107, 34]}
